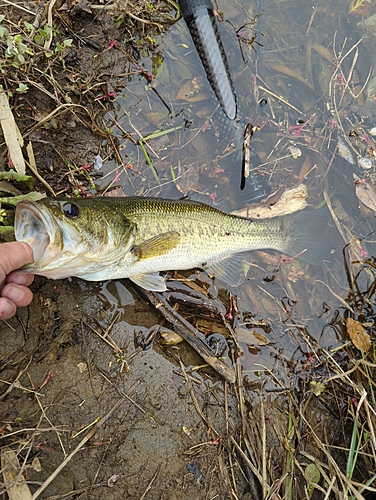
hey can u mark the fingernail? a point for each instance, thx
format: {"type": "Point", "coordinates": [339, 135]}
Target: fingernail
{"type": "Point", "coordinates": [7, 309]}
{"type": "Point", "coordinates": [19, 279]}
{"type": "Point", "coordinates": [14, 293]}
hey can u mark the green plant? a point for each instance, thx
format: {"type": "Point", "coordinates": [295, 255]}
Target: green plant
{"type": "Point", "coordinates": [16, 48]}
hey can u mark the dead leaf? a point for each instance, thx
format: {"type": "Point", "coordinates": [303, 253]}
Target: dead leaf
{"type": "Point", "coordinates": [365, 192]}
{"type": "Point", "coordinates": [358, 336]}
{"type": "Point", "coordinates": [292, 74]}
{"type": "Point", "coordinates": [250, 337]}
{"type": "Point", "coordinates": [193, 91]}
{"type": "Point", "coordinates": [306, 167]}
{"type": "Point", "coordinates": [289, 202]}
{"type": "Point", "coordinates": [187, 179]}
{"type": "Point", "coordinates": [12, 135]}
{"type": "Point", "coordinates": [14, 483]}
{"type": "Point", "coordinates": [116, 193]}
{"type": "Point", "coordinates": [323, 51]}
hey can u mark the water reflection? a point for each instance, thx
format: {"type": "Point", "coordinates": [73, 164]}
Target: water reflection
{"type": "Point", "coordinates": [117, 294]}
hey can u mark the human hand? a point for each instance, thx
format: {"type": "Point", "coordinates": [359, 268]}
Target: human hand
{"type": "Point", "coordinates": [13, 285]}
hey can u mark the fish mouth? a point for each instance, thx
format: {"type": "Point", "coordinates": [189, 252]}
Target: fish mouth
{"type": "Point", "coordinates": [34, 228]}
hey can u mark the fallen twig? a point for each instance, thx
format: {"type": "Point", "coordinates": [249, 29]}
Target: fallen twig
{"type": "Point", "coordinates": [98, 425]}
{"type": "Point", "coordinates": [189, 334]}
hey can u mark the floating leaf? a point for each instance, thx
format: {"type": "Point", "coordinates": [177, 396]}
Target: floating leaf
{"type": "Point", "coordinates": [358, 336]}
{"type": "Point", "coordinates": [365, 192]}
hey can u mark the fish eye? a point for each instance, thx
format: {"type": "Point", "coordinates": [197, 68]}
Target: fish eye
{"type": "Point", "coordinates": [71, 210]}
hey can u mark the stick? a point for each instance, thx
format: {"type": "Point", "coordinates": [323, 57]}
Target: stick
{"type": "Point", "coordinates": [188, 333]}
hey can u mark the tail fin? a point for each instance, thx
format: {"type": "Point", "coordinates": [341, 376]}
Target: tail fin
{"type": "Point", "coordinates": [306, 234]}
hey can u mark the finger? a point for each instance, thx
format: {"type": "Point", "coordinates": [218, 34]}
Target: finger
{"type": "Point", "coordinates": [20, 278]}
{"type": "Point", "coordinates": [18, 294]}
{"type": "Point", "coordinates": [7, 309]}
{"type": "Point", "coordinates": [13, 256]}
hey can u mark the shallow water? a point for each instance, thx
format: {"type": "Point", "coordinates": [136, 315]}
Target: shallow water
{"type": "Point", "coordinates": [292, 87]}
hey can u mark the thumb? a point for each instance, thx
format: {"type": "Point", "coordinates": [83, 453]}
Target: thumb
{"type": "Point", "coordinates": [13, 256]}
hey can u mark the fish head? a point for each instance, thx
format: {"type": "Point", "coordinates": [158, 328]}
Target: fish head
{"type": "Point", "coordinates": [72, 237]}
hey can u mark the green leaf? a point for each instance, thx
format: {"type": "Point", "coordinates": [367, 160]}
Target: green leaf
{"type": "Point", "coordinates": [15, 200]}
{"type": "Point", "coordinates": [21, 60]}
{"type": "Point", "coordinates": [2, 17]}
{"type": "Point", "coordinates": [6, 232]}
{"type": "Point", "coordinates": [312, 475]}
{"type": "Point", "coordinates": [22, 87]}
{"type": "Point", "coordinates": [11, 175]}
{"type": "Point", "coordinates": [4, 33]}
{"type": "Point", "coordinates": [317, 388]}
{"type": "Point", "coordinates": [28, 26]}
{"type": "Point", "coordinates": [39, 39]}
{"type": "Point", "coordinates": [22, 48]}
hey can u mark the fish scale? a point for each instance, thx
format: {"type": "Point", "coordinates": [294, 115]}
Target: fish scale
{"type": "Point", "coordinates": [111, 238]}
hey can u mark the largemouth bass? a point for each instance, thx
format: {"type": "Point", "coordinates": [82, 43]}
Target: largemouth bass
{"type": "Point", "coordinates": [111, 238]}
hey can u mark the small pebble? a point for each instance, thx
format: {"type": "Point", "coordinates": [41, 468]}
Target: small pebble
{"type": "Point", "coordinates": [98, 163]}
{"type": "Point", "coordinates": [365, 163]}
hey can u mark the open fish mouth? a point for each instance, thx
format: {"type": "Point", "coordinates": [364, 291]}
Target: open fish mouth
{"type": "Point", "coordinates": [32, 227]}
{"type": "Point", "coordinates": [54, 246]}
{"type": "Point", "coordinates": [70, 245]}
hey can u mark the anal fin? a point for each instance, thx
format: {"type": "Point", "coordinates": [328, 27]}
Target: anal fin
{"type": "Point", "coordinates": [150, 281]}
{"type": "Point", "coordinates": [228, 270]}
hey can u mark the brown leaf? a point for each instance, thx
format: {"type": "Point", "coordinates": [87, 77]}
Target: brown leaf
{"type": "Point", "coordinates": [187, 179]}
{"type": "Point", "coordinates": [12, 135]}
{"type": "Point", "coordinates": [192, 91]}
{"type": "Point", "coordinates": [365, 192]}
{"type": "Point", "coordinates": [361, 7]}
{"type": "Point", "coordinates": [358, 336]}
{"type": "Point", "coordinates": [115, 193]}
{"type": "Point", "coordinates": [293, 74]}
{"type": "Point", "coordinates": [250, 337]}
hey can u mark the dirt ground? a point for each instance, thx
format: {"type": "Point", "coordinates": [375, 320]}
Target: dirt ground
{"type": "Point", "coordinates": [155, 436]}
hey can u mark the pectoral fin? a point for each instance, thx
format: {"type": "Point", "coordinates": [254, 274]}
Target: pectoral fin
{"type": "Point", "coordinates": [156, 246]}
{"type": "Point", "coordinates": [151, 281]}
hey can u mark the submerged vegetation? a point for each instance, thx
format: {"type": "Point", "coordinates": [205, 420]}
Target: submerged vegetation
{"type": "Point", "coordinates": [107, 99]}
